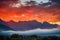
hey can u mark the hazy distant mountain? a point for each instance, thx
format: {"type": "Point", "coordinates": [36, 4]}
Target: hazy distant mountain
{"type": "Point", "coordinates": [38, 32]}
{"type": "Point", "coordinates": [29, 25]}
{"type": "Point", "coordinates": [4, 26]}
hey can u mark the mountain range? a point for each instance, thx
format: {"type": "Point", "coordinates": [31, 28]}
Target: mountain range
{"type": "Point", "coordinates": [25, 25]}
{"type": "Point", "coordinates": [29, 28]}
{"type": "Point", "coordinates": [30, 25]}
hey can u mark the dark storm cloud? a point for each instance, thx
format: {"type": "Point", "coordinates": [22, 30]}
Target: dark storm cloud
{"type": "Point", "coordinates": [57, 1]}
{"type": "Point", "coordinates": [4, 3]}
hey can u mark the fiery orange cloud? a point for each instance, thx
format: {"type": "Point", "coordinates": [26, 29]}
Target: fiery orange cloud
{"type": "Point", "coordinates": [27, 14]}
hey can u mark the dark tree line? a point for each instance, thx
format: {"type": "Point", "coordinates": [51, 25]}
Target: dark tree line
{"type": "Point", "coordinates": [32, 37]}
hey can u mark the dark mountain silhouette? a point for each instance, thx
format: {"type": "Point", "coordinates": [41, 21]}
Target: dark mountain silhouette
{"type": "Point", "coordinates": [48, 25]}
{"type": "Point", "coordinates": [29, 25]}
{"type": "Point", "coordinates": [4, 26]}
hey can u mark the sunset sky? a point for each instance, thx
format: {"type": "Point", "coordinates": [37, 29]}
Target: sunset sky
{"type": "Point", "coordinates": [19, 10]}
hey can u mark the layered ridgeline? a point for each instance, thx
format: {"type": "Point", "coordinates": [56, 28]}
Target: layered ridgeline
{"type": "Point", "coordinates": [30, 28]}
{"type": "Point", "coordinates": [30, 25]}
{"type": "Point", "coordinates": [25, 25]}
{"type": "Point", "coordinates": [4, 26]}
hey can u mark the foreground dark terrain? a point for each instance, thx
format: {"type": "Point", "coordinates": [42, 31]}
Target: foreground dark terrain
{"type": "Point", "coordinates": [32, 37]}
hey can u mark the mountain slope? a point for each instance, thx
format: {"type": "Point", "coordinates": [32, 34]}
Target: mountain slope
{"type": "Point", "coordinates": [4, 26]}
